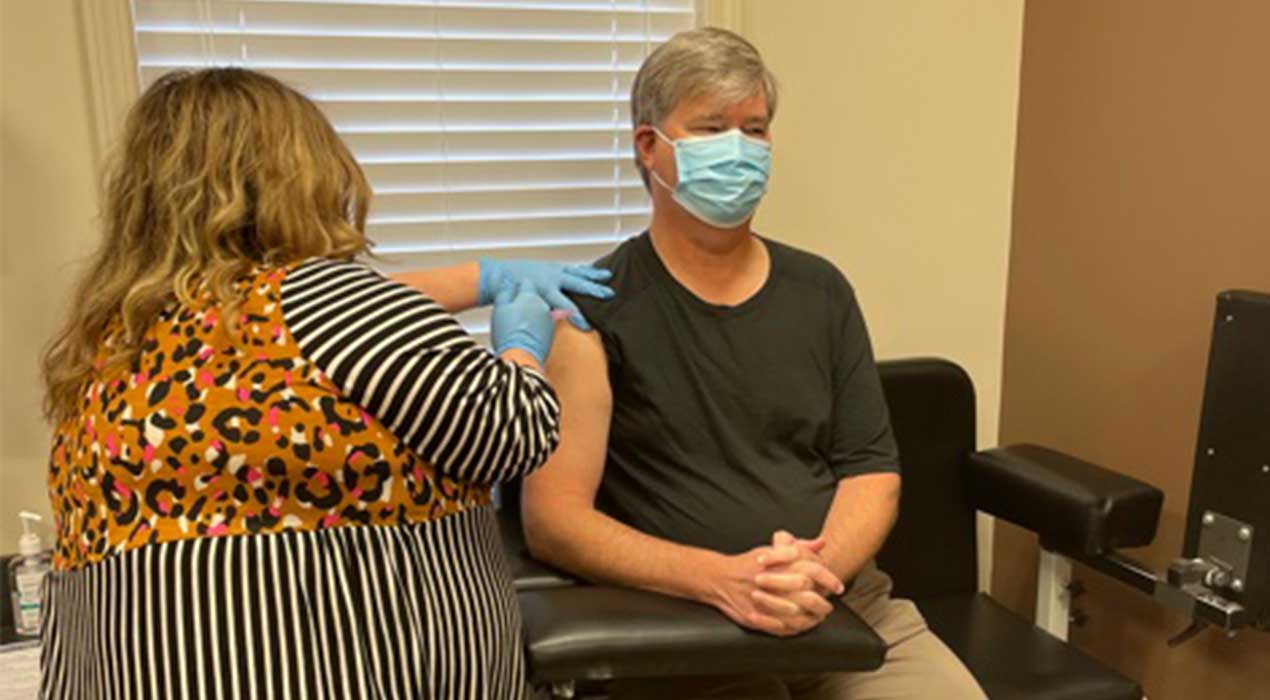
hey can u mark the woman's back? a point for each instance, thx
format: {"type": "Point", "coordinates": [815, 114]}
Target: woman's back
{"type": "Point", "coordinates": [214, 433]}
{"type": "Point", "coordinates": [236, 518]}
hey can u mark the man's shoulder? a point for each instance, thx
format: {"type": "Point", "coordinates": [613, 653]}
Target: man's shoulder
{"type": "Point", "coordinates": [806, 268]}
{"type": "Point", "coordinates": [627, 257]}
{"type": "Point", "coordinates": [630, 278]}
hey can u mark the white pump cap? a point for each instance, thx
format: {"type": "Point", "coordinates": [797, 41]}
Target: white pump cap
{"type": "Point", "coordinates": [29, 543]}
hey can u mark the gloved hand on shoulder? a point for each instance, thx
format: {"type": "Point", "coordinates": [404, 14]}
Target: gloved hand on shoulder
{"type": "Point", "coordinates": [549, 280]}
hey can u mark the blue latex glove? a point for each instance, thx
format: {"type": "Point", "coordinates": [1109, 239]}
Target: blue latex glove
{"type": "Point", "coordinates": [522, 320]}
{"type": "Point", "coordinates": [549, 280]}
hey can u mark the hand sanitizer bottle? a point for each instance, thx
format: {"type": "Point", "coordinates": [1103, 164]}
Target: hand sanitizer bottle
{"type": "Point", "coordinates": [26, 578]}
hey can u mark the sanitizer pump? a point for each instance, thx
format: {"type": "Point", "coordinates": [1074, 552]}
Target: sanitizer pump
{"type": "Point", "coordinates": [26, 578]}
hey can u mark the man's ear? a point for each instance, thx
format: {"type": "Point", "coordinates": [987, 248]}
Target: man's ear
{"type": "Point", "coordinates": [645, 143]}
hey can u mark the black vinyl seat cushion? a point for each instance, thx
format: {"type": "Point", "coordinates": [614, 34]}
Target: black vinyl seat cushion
{"type": "Point", "coordinates": [1015, 660]}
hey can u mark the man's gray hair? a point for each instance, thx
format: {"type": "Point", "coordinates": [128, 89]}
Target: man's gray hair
{"type": "Point", "coordinates": [707, 61]}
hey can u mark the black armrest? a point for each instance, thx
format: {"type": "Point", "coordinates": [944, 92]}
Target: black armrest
{"type": "Point", "coordinates": [1076, 507]}
{"type": "Point", "coordinates": [579, 632]}
{"type": "Point", "coordinates": [600, 633]}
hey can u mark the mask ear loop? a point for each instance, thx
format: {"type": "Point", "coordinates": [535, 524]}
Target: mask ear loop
{"type": "Point", "coordinates": [657, 178]}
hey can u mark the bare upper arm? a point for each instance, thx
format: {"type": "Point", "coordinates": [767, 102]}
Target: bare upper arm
{"type": "Point", "coordinates": [578, 371]}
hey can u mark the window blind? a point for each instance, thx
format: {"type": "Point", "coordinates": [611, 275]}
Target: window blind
{"type": "Point", "coordinates": [493, 128]}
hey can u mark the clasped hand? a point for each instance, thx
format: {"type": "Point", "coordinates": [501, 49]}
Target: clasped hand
{"type": "Point", "coordinates": [784, 589]}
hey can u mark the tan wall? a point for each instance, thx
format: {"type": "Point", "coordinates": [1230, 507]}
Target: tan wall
{"type": "Point", "coordinates": [894, 149]}
{"type": "Point", "coordinates": [1141, 191]}
{"type": "Point", "coordinates": [47, 202]}
{"type": "Point", "coordinates": [894, 153]}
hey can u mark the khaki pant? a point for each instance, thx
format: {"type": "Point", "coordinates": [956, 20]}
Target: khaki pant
{"type": "Point", "coordinates": [918, 665]}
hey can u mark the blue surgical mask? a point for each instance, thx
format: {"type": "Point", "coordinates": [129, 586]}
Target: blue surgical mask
{"type": "Point", "coordinates": [721, 177]}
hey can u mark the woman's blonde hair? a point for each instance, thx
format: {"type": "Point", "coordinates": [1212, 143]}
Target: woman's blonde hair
{"type": "Point", "coordinates": [218, 171]}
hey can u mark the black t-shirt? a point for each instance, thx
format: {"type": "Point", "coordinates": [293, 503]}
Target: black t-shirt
{"type": "Point", "coordinates": [730, 422]}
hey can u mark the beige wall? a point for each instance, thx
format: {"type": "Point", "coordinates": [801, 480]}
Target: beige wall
{"type": "Point", "coordinates": [894, 149]}
{"type": "Point", "coordinates": [47, 202]}
{"type": "Point", "coordinates": [1140, 194]}
{"type": "Point", "coordinates": [894, 153]}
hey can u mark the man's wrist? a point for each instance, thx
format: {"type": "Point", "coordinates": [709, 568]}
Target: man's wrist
{"type": "Point", "coordinates": [701, 570]}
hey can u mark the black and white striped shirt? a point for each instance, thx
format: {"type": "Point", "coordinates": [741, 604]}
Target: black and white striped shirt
{"type": "Point", "coordinates": [398, 354]}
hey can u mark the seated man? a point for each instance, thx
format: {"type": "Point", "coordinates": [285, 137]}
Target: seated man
{"type": "Point", "coordinates": [725, 438]}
